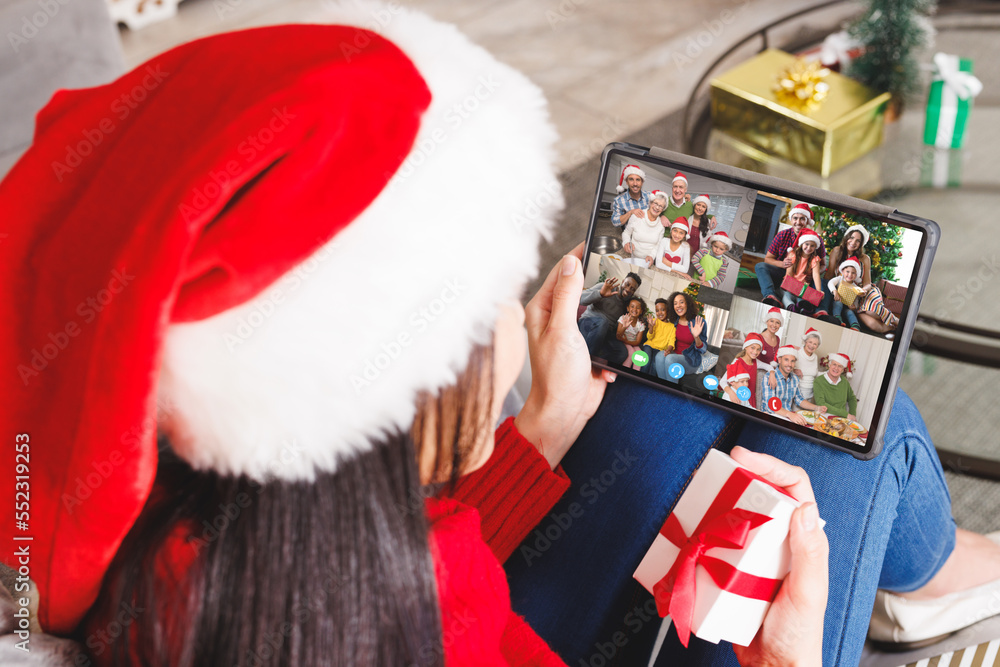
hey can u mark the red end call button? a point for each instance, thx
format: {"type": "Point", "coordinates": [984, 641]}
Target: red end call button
{"type": "Point", "coordinates": [774, 403]}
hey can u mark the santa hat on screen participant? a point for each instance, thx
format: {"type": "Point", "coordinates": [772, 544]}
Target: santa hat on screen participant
{"type": "Point", "coordinates": [721, 237]}
{"type": "Point", "coordinates": [858, 228]}
{"type": "Point", "coordinates": [233, 319]}
{"type": "Point", "coordinates": [629, 170]}
{"type": "Point", "coordinates": [679, 177]}
{"type": "Point", "coordinates": [774, 313]}
{"type": "Point", "coordinates": [703, 199]}
{"type": "Point", "coordinates": [736, 372]}
{"type": "Point", "coordinates": [844, 361]}
{"type": "Point", "coordinates": [851, 262]}
{"type": "Point", "coordinates": [682, 224]}
{"type": "Point", "coordinates": [812, 332]}
{"type": "Point", "coordinates": [807, 235]}
{"type": "Point", "coordinates": [782, 351]}
{"type": "Point", "coordinates": [753, 337]}
{"type": "Point", "coordinates": [802, 208]}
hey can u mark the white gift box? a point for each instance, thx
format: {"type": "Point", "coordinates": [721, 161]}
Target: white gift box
{"type": "Point", "coordinates": [719, 487]}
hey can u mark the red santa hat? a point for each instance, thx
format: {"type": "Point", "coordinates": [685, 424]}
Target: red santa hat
{"type": "Point", "coordinates": [806, 236]}
{"type": "Point", "coordinates": [844, 361]}
{"type": "Point", "coordinates": [736, 372]}
{"type": "Point", "coordinates": [721, 237]}
{"type": "Point", "coordinates": [858, 228]}
{"type": "Point", "coordinates": [851, 262]}
{"type": "Point", "coordinates": [774, 313]}
{"type": "Point", "coordinates": [802, 208]}
{"type": "Point", "coordinates": [681, 223]}
{"type": "Point", "coordinates": [753, 337]}
{"type": "Point", "coordinates": [679, 177]}
{"type": "Point", "coordinates": [782, 351]}
{"type": "Point", "coordinates": [627, 171]}
{"type": "Point", "coordinates": [812, 332]}
{"type": "Point", "coordinates": [658, 194]}
{"type": "Point", "coordinates": [221, 282]}
{"type": "Point", "coordinates": [703, 199]}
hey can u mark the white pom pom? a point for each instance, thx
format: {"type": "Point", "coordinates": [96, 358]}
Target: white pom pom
{"type": "Point", "coordinates": [620, 189]}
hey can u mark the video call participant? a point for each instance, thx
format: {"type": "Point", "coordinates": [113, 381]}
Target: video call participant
{"type": "Point", "coordinates": [711, 262]}
{"type": "Point", "coordinates": [606, 302]}
{"type": "Point", "coordinates": [673, 253]}
{"type": "Point", "coordinates": [807, 366]}
{"type": "Point", "coordinates": [738, 377]}
{"type": "Point", "coordinates": [632, 199]}
{"type": "Point", "coordinates": [770, 342]}
{"type": "Point", "coordinates": [702, 224]}
{"type": "Point", "coordinates": [831, 389]}
{"type": "Point", "coordinates": [787, 389]}
{"type": "Point", "coordinates": [690, 334]}
{"type": "Point", "coordinates": [745, 362]}
{"type": "Point", "coordinates": [643, 230]}
{"type": "Point", "coordinates": [776, 261]}
{"type": "Point", "coordinates": [679, 205]}
{"type": "Point", "coordinates": [660, 339]}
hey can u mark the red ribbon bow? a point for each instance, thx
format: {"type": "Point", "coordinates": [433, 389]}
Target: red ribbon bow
{"type": "Point", "coordinates": [722, 526]}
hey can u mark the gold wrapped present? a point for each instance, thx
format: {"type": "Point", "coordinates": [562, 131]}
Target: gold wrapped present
{"type": "Point", "coordinates": [762, 103]}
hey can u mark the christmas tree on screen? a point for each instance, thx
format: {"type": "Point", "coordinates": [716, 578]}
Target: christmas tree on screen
{"type": "Point", "coordinates": [884, 247]}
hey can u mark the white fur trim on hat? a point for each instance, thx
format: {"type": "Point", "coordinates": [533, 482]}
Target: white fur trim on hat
{"type": "Point", "coordinates": [802, 208]}
{"type": "Point", "coordinates": [844, 361]}
{"type": "Point", "coordinates": [333, 355]}
{"type": "Point", "coordinates": [721, 237]}
{"type": "Point", "coordinates": [774, 314]}
{"type": "Point", "coordinates": [629, 170]}
{"type": "Point", "coordinates": [812, 332]}
{"type": "Point", "coordinates": [751, 339]}
{"type": "Point", "coordinates": [850, 261]}
{"type": "Point", "coordinates": [679, 177]}
{"type": "Point", "coordinates": [858, 228]}
{"type": "Point", "coordinates": [703, 199]}
{"type": "Point", "coordinates": [808, 235]}
{"type": "Point", "coordinates": [681, 223]}
{"type": "Point", "coordinates": [658, 194]}
{"type": "Point", "coordinates": [739, 376]}
{"type": "Point", "coordinates": [786, 349]}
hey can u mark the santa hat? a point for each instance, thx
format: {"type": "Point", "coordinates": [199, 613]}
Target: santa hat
{"type": "Point", "coordinates": [681, 223]}
{"type": "Point", "coordinates": [850, 261]}
{"type": "Point", "coordinates": [629, 170]}
{"type": "Point", "coordinates": [858, 228]}
{"type": "Point", "coordinates": [774, 313]}
{"type": "Point", "coordinates": [753, 337]}
{"type": "Point", "coordinates": [802, 208]}
{"type": "Point", "coordinates": [702, 199]}
{"type": "Point", "coordinates": [721, 237]}
{"type": "Point", "coordinates": [658, 194]}
{"type": "Point", "coordinates": [782, 351]}
{"type": "Point", "coordinates": [807, 235]}
{"type": "Point", "coordinates": [679, 177]}
{"type": "Point", "coordinates": [736, 372]}
{"type": "Point", "coordinates": [844, 361]}
{"type": "Point", "coordinates": [812, 332]}
{"type": "Point", "coordinates": [218, 282]}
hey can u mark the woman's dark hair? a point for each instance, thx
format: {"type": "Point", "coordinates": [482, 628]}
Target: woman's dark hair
{"type": "Point", "coordinates": [692, 307]}
{"type": "Point", "coordinates": [334, 571]}
{"type": "Point", "coordinates": [842, 253]}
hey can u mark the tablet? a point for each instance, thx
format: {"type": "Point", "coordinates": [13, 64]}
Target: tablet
{"type": "Point", "coordinates": [781, 302]}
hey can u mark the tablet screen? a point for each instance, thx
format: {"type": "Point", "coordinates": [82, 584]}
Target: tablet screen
{"type": "Point", "coordinates": [784, 308]}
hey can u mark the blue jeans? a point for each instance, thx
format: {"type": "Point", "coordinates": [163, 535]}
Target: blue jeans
{"type": "Point", "coordinates": [888, 522]}
{"type": "Point", "coordinates": [599, 333]}
{"type": "Point", "coordinates": [852, 319]}
{"type": "Point", "coordinates": [677, 359]}
{"type": "Point", "coordinates": [660, 361]}
{"type": "Point", "coordinates": [766, 275]}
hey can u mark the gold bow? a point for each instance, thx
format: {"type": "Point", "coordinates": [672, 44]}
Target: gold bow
{"type": "Point", "coordinates": [801, 84]}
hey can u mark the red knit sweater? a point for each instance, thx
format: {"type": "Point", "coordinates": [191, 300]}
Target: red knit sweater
{"type": "Point", "coordinates": [486, 516]}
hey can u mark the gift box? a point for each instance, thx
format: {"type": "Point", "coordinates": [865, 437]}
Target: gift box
{"type": "Point", "coordinates": [950, 101]}
{"type": "Point", "coordinates": [822, 136]}
{"type": "Point", "coordinates": [941, 168]}
{"type": "Point", "coordinates": [720, 557]}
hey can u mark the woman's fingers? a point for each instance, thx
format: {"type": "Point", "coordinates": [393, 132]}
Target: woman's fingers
{"type": "Point", "coordinates": [807, 582]}
{"type": "Point", "coordinates": [566, 293]}
{"type": "Point", "coordinates": [792, 478]}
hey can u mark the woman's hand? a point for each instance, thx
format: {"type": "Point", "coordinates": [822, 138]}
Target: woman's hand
{"type": "Point", "coordinates": [697, 326]}
{"type": "Point", "coordinates": [712, 223]}
{"type": "Point", "coordinates": [772, 381]}
{"type": "Point", "coordinates": [797, 372]}
{"type": "Point", "coordinates": [565, 388]}
{"type": "Point", "coordinates": [792, 632]}
{"type": "Point", "coordinates": [628, 248]}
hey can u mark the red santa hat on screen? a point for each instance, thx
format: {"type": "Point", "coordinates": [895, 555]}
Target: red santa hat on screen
{"type": "Point", "coordinates": [844, 361]}
{"type": "Point", "coordinates": [721, 237]}
{"type": "Point", "coordinates": [802, 208]}
{"type": "Point", "coordinates": [736, 372]}
{"type": "Point", "coordinates": [774, 313]}
{"type": "Point", "coordinates": [703, 199]}
{"type": "Point", "coordinates": [812, 332]}
{"type": "Point", "coordinates": [679, 177]}
{"type": "Point", "coordinates": [682, 224]}
{"type": "Point", "coordinates": [858, 228]}
{"type": "Point", "coordinates": [230, 282]}
{"type": "Point", "coordinates": [806, 236]}
{"type": "Point", "coordinates": [782, 351]}
{"type": "Point", "coordinates": [627, 171]}
{"type": "Point", "coordinates": [753, 337]}
{"type": "Point", "coordinates": [851, 262]}
{"type": "Point", "coordinates": [658, 194]}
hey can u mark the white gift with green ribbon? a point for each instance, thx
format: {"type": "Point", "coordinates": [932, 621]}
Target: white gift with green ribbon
{"type": "Point", "coordinates": [950, 101]}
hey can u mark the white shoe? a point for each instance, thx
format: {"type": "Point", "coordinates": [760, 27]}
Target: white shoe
{"type": "Point", "coordinates": [903, 624]}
